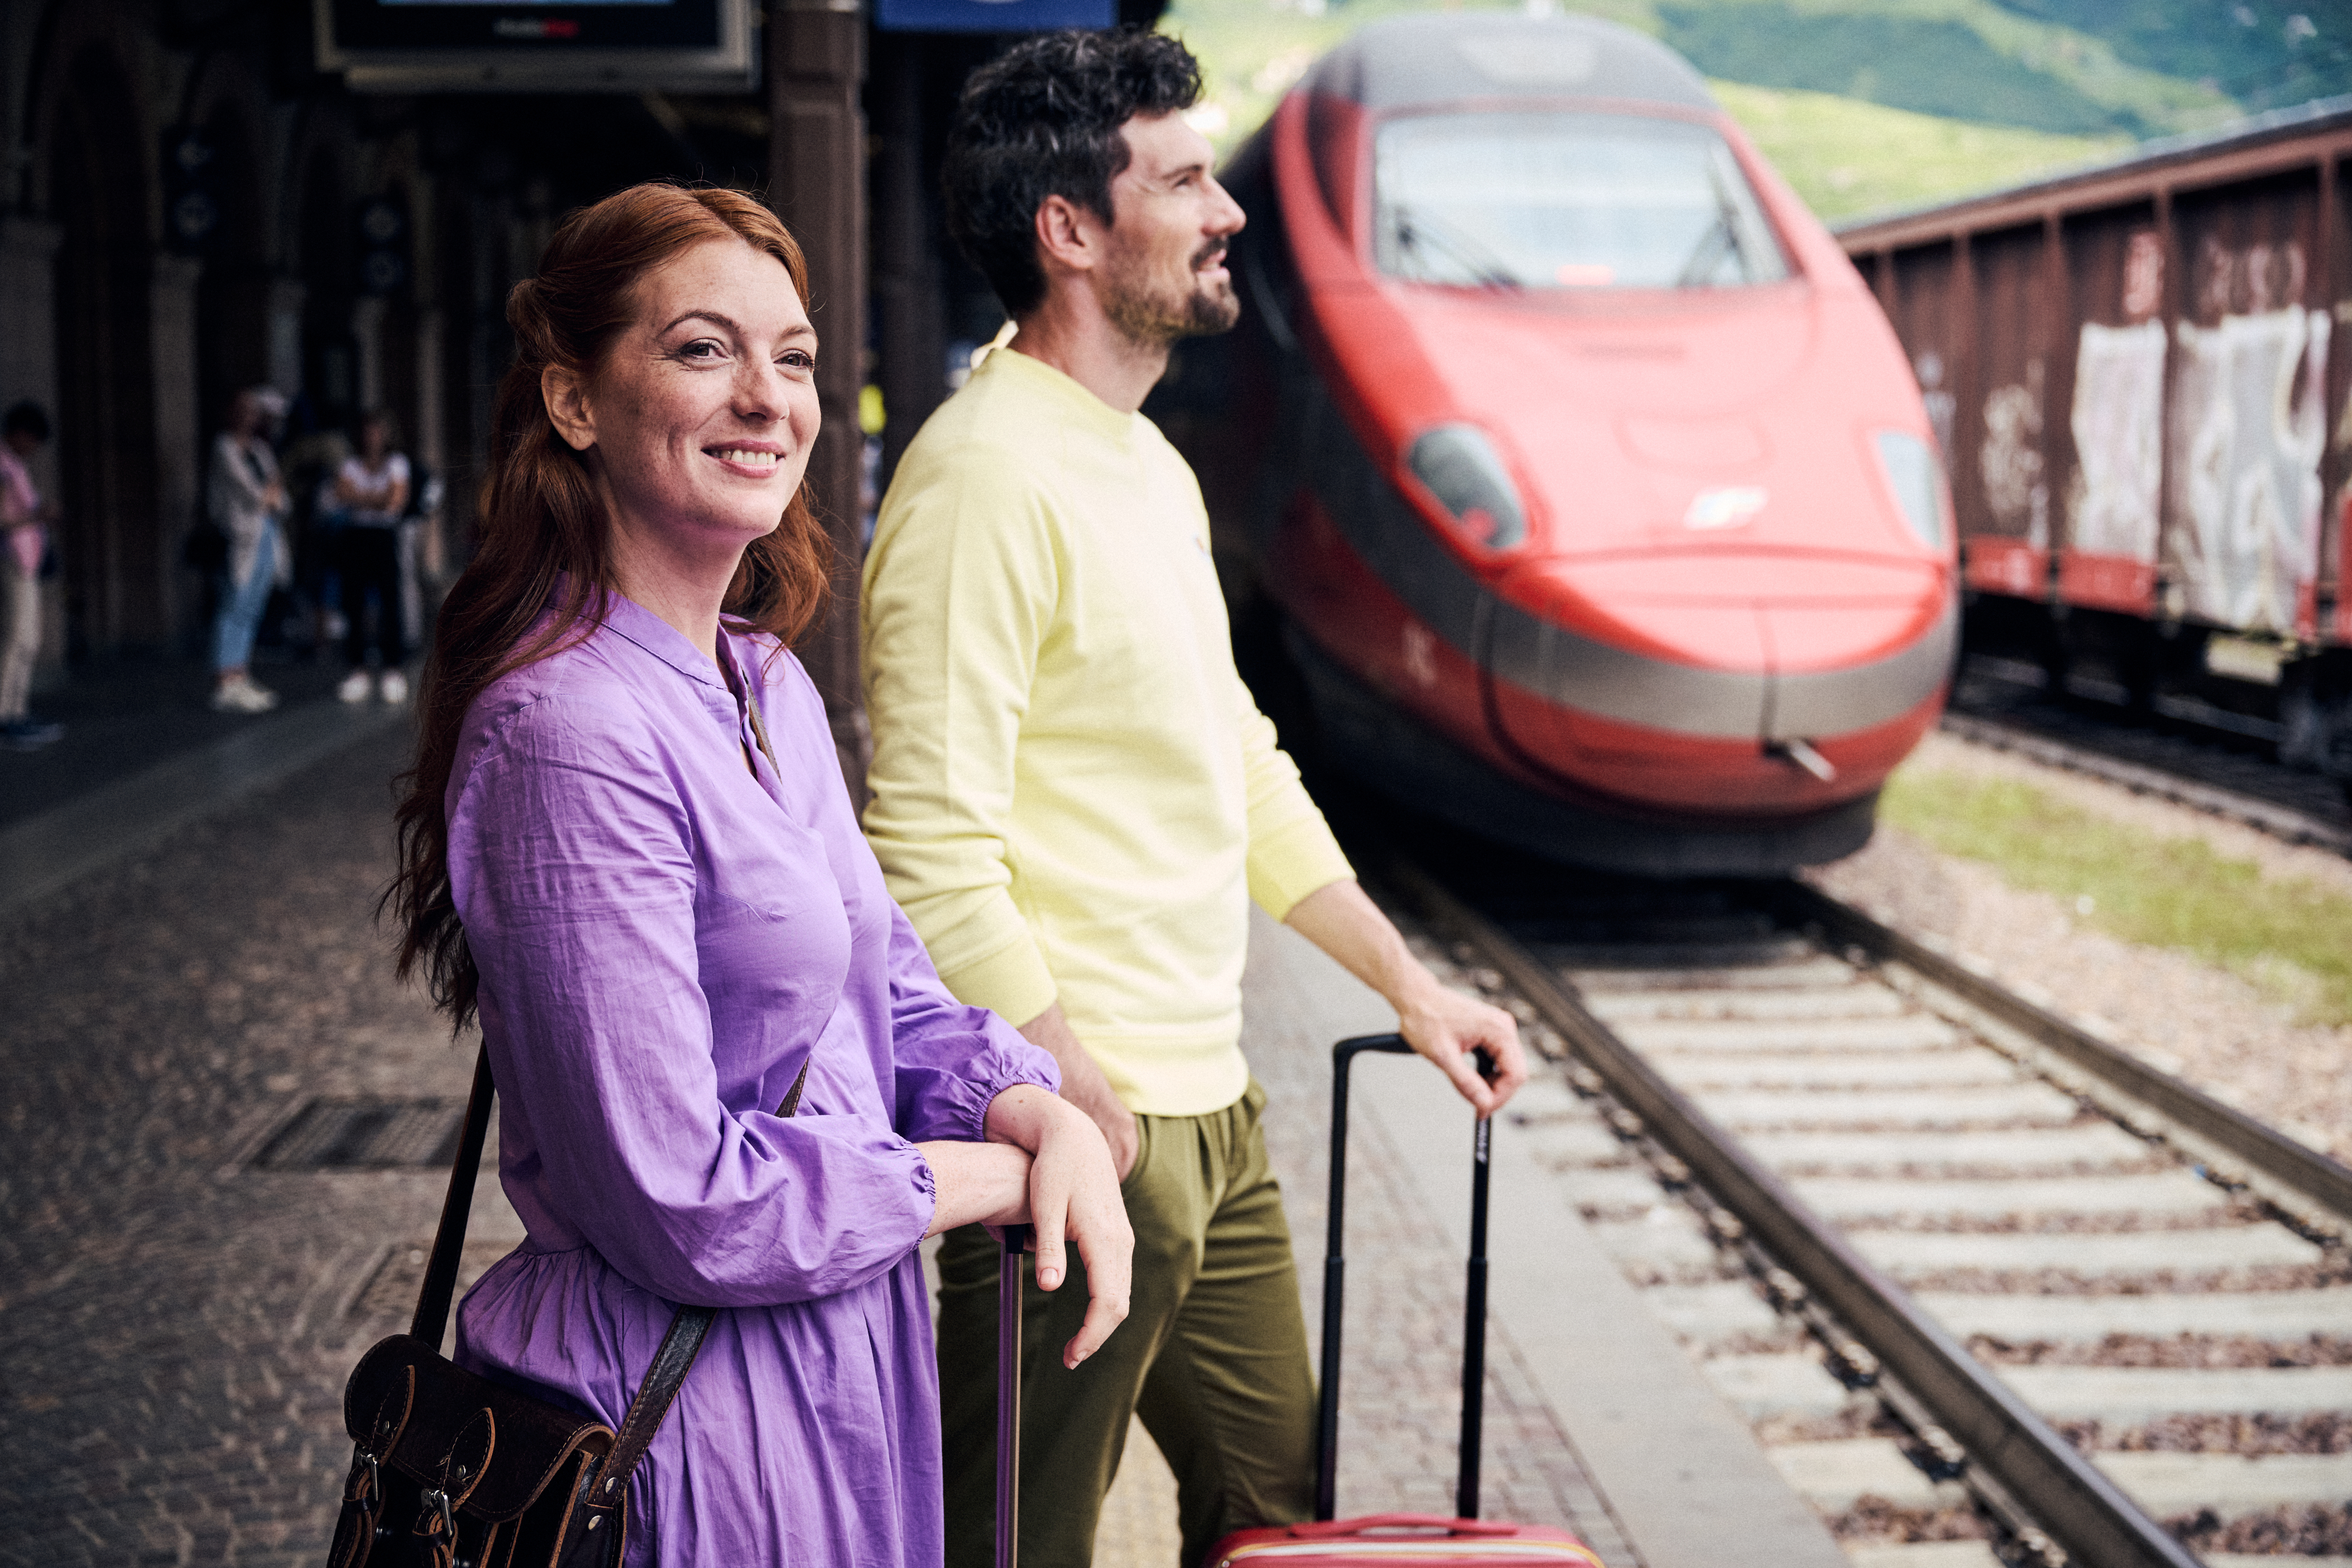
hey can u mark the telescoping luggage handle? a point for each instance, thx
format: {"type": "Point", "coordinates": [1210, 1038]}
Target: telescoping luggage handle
{"type": "Point", "coordinates": [1008, 1399]}
{"type": "Point", "coordinates": [1335, 1273]}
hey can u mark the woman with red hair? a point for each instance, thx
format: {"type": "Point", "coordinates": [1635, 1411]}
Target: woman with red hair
{"type": "Point", "coordinates": [728, 1075]}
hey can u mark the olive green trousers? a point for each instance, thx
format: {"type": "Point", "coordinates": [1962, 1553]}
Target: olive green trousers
{"type": "Point", "coordinates": [1213, 1356]}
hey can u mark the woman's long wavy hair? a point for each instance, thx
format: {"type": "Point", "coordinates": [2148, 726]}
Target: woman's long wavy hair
{"type": "Point", "coordinates": [543, 543]}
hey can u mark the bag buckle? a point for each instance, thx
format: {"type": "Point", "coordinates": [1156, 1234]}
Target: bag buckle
{"type": "Point", "coordinates": [370, 1490]}
{"type": "Point", "coordinates": [438, 1517]}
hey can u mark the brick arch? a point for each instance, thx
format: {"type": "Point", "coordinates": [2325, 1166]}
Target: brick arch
{"type": "Point", "coordinates": [81, 43]}
{"type": "Point", "coordinates": [230, 104]}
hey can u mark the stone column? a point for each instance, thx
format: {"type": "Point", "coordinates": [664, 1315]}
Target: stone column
{"type": "Point", "coordinates": [28, 368]}
{"type": "Point", "coordinates": [816, 176]}
{"type": "Point", "coordinates": [910, 307]}
{"type": "Point", "coordinates": [286, 296]}
{"type": "Point", "coordinates": [168, 598]}
{"type": "Point", "coordinates": [367, 332]}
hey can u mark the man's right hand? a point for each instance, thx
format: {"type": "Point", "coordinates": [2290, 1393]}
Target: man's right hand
{"type": "Point", "coordinates": [1083, 1086]}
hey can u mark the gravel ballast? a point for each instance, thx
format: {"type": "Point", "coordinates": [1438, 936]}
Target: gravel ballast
{"type": "Point", "coordinates": [2211, 1028]}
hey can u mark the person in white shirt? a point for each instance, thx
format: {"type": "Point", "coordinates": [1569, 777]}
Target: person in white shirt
{"type": "Point", "coordinates": [373, 485]}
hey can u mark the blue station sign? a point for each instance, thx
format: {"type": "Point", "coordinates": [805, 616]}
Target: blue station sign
{"type": "Point", "coordinates": [991, 16]}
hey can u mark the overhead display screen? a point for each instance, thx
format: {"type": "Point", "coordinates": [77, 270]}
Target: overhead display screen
{"type": "Point", "coordinates": [538, 45]}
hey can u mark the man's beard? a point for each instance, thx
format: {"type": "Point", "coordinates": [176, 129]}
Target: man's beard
{"type": "Point", "coordinates": [1147, 316]}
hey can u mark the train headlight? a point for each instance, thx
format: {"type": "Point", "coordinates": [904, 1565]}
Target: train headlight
{"type": "Point", "coordinates": [1461, 468]}
{"type": "Point", "coordinates": [1917, 480]}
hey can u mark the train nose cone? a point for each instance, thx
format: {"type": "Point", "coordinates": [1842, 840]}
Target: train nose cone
{"type": "Point", "coordinates": [1842, 668]}
{"type": "Point", "coordinates": [1680, 674]}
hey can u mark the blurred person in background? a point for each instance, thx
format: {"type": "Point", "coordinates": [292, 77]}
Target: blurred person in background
{"type": "Point", "coordinates": [310, 460]}
{"type": "Point", "coordinates": [247, 502]}
{"type": "Point", "coordinates": [422, 561]}
{"type": "Point", "coordinates": [24, 518]}
{"type": "Point", "coordinates": [372, 488]}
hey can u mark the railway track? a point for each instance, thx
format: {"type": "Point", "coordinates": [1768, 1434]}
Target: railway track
{"type": "Point", "coordinates": [2293, 824]}
{"type": "Point", "coordinates": [1999, 703]}
{"type": "Point", "coordinates": [1970, 1269]}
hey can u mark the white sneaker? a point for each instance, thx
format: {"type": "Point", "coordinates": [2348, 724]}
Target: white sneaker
{"type": "Point", "coordinates": [392, 688]}
{"type": "Point", "coordinates": [354, 688]}
{"type": "Point", "coordinates": [242, 696]}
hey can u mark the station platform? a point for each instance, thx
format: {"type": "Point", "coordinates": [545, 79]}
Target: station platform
{"type": "Point", "coordinates": [191, 959]}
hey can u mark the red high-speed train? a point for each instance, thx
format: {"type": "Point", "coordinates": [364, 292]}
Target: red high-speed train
{"type": "Point", "coordinates": [1593, 486]}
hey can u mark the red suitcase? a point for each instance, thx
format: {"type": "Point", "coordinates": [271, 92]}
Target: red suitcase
{"type": "Point", "coordinates": [1401, 1539]}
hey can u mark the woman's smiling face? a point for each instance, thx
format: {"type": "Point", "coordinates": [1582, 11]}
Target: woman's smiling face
{"type": "Point", "coordinates": [701, 416]}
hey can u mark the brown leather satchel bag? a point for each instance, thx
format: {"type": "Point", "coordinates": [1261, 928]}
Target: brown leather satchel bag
{"type": "Point", "coordinates": [452, 1470]}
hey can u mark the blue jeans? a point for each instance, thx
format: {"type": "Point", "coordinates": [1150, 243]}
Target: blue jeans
{"type": "Point", "coordinates": [241, 607]}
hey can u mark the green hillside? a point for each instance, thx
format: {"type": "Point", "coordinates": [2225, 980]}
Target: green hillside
{"type": "Point", "coordinates": [2262, 53]}
{"type": "Point", "coordinates": [1846, 157]}
{"type": "Point", "coordinates": [1871, 103]}
{"type": "Point", "coordinates": [1965, 58]}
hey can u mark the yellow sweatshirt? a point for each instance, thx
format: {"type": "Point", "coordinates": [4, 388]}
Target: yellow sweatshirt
{"type": "Point", "coordinates": [1074, 796]}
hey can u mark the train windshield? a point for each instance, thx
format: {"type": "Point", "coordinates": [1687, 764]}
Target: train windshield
{"type": "Point", "coordinates": [1567, 201]}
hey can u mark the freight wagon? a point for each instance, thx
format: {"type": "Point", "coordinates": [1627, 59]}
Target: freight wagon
{"type": "Point", "coordinates": [2137, 373]}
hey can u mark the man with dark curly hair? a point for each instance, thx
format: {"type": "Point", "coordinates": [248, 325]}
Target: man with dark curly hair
{"type": "Point", "coordinates": [1076, 799]}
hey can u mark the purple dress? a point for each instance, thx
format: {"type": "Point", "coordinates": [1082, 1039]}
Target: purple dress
{"type": "Point", "coordinates": [664, 941]}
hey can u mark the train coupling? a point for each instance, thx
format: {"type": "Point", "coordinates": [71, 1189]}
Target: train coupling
{"type": "Point", "coordinates": [1800, 753]}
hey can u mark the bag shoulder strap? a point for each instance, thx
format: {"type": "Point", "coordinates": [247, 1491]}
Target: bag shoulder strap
{"type": "Point", "coordinates": [449, 1239]}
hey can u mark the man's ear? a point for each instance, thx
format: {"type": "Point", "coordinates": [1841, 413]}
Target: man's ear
{"type": "Point", "coordinates": [566, 397]}
{"type": "Point", "coordinates": [1069, 235]}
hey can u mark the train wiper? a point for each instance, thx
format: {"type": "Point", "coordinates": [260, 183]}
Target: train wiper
{"type": "Point", "coordinates": [1713, 245]}
{"type": "Point", "coordinates": [1721, 239]}
{"type": "Point", "coordinates": [1413, 233]}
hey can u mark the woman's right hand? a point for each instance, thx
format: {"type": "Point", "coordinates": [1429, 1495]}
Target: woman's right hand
{"type": "Point", "coordinates": [977, 1184]}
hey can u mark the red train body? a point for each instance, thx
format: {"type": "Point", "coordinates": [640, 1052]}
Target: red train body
{"type": "Point", "coordinates": [1587, 476]}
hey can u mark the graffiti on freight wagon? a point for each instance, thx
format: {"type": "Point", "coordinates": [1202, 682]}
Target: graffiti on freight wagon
{"type": "Point", "coordinates": [1941, 405]}
{"type": "Point", "coordinates": [2217, 481]}
{"type": "Point", "coordinates": [2249, 425]}
{"type": "Point", "coordinates": [2143, 275]}
{"type": "Point", "coordinates": [2114, 500]}
{"type": "Point", "coordinates": [2252, 280]}
{"type": "Point", "coordinates": [2010, 459]}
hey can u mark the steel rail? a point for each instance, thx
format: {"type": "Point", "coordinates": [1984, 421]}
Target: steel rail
{"type": "Point", "coordinates": [2324, 1181]}
{"type": "Point", "coordinates": [2087, 1513]}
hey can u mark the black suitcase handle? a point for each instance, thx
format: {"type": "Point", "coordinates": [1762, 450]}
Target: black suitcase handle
{"type": "Point", "coordinates": [1334, 1274]}
{"type": "Point", "coordinates": [1008, 1397]}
